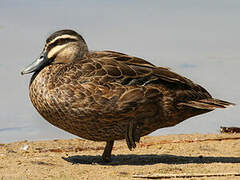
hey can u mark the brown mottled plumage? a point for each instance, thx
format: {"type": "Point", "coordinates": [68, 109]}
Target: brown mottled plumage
{"type": "Point", "coordinates": [107, 96]}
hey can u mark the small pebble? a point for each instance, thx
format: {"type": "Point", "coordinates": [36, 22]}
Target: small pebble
{"type": "Point", "coordinates": [25, 147]}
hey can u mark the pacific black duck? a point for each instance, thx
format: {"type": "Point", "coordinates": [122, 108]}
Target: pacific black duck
{"type": "Point", "coordinates": [107, 96]}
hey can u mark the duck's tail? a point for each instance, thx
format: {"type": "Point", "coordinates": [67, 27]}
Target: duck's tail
{"type": "Point", "coordinates": [208, 104]}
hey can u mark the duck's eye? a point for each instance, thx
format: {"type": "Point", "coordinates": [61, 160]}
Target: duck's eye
{"type": "Point", "coordinates": [58, 41]}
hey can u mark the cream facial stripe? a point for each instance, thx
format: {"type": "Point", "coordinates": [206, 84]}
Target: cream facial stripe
{"type": "Point", "coordinates": [65, 36]}
{"type": "Point", "coordinates": [55, 50]}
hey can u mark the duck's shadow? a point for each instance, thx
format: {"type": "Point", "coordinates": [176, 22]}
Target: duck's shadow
{"type": "Point", "coordinates": [150, 159]}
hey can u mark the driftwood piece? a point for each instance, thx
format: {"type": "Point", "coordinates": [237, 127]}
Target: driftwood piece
{"type": "Point", "coordinates": [189, 141]}
{"type": "Point", "coordinates": [162, 176]}
{"type": "Point", "coordinates": [229, 129]}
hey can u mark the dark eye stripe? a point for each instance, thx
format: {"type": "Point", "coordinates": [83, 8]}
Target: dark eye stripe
{"type": "Point", "coordinates": [60, 41]}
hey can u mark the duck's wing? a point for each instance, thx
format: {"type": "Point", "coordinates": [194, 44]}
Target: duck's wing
{"type": "Point", "coordinates": [129, 60]}
{"type": "Point", "coordinates": [130, 71]}
{"type": "Point", "coordinates": [136, 70]}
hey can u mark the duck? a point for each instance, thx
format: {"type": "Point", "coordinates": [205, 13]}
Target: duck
{"type": "Point", "coordinates": [108, 95]}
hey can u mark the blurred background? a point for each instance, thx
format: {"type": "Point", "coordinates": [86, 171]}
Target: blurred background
{"type": "Point", "coordinates": [198, 39]}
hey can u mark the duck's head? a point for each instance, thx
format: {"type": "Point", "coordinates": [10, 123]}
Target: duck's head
{"type": "Point", "coordinates": [63, 46]}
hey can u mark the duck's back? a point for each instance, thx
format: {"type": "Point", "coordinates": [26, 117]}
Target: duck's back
{"type": "Point", "coordinates": [96, 96]}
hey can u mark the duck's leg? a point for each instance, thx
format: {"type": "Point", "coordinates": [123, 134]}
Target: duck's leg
{"type": "Point", "coordinates": [136, 134]}
{"type": "Point", "coordinates": [132, 135]}
{"type": "Point", "coordinates": [106, 156]}
{"type": "Point", "coordinates": [129, 136]}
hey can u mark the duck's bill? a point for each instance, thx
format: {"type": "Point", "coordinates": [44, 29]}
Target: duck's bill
{"type": "Point", "coordinates": [36, 65]}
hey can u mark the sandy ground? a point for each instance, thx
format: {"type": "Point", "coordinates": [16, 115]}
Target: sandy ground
{"type": "Point", "coordinates": [81, 159]}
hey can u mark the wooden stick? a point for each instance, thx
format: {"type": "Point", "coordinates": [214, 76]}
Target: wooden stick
{"type": "Point", "coordinates": [161, 176]}
{"type": "Point", "coordinates": [189, 141]}
{"type": "Point", "coordinates": [199, 140]}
